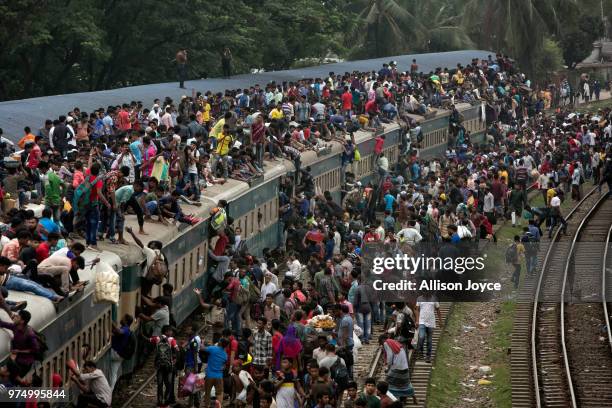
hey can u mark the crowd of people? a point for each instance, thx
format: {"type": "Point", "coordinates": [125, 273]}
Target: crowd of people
{"type": "Point", "coordinates": [286, 326]}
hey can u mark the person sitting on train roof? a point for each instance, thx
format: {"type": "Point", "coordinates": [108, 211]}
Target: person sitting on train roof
{"type": "Point", "coordinates": [21, 284]}
{"type": "Point", "coordinates": [55, 271]}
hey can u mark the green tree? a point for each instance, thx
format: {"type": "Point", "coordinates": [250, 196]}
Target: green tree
{"type": "Point", "coordinates": [515, 27]}
{"type": "Point", "coordinates": [442, 28]}
{"type": "Point", "coordinates": [548, 61]}
{"type": "Point", "coordinates": [384, 28]}
{"type": "Point", "coordinates": [580, 27]}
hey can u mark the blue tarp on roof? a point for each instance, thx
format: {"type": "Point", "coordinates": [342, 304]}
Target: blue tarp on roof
{"type": "Point", "coordinates": [15, 115]}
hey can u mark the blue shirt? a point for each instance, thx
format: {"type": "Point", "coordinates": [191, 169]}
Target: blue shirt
{"type": "Point", "coordinates": [346, 323]}
{"type": "Point", "coordinates": [191, 354]}
{"type": "Point", "coordinates": [119, 341]}
{"type": "Point", "coordinates": [389, 200]}
{"type": "Point", "coordinates": [49, 225]}
{"type": "Point", "coordinates": [533, 230]}
{"type": "Point", "coordinates": [135, 149]}
{"type": "Point", "coordinates": [217, 357]}
{"type": "Point", "coordinates": [329, 249]}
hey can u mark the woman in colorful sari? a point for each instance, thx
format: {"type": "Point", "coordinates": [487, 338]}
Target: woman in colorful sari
{"type": "Point", "coordinates": [291, 347]}
{"type": "Point", "coordinates": [398, 375]}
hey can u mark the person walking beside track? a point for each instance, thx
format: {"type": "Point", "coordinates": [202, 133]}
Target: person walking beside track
{"type": "Point", "coordinates": [427, 309]}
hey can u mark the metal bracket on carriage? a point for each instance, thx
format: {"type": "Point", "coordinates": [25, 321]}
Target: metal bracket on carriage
{"type": "Point", "coordinates": [324, 152]}
{"type": "Point", "coordinates": [256, 180]}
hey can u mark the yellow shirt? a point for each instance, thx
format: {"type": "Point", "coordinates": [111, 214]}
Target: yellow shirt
{"type": "Point", "coordinates": [223, 144]}
{"type": "Point", "coordinates": [504, 174]}
{"type": "Point", "coordinates": [217, 129]}
{"type": "Point", "coordinates": [458, 77]}
{"type": "Point", "coordinates": [276, 114]}
{"type": "Point", "coordinates": [206, 112]}
{"type": "Point", "coordinates": [550, 193]}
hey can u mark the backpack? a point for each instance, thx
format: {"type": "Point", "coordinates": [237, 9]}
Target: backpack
{"type": "Point", "coordinates": [407, 328]}
{"type": "Point", "coordinates": [339, 373]}
{"type": "Point", "coordinates": [157, 271]}
{"type": "Point", "coordinates": [511, 254]}
{"type": "Point", "coordinates": [80, 198]}
{"type": "Point", "coordinates": [242, 297]}
{"type": "Point", "coordinates": [163, 354]}
{"type": "Point", "coordinates": [130, 347]}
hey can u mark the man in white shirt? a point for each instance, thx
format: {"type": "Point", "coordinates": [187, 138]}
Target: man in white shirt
{"type": "Point", "coordinates": [337, 241]}
{"type": "Point", "coordinates": [330, 357]}
{"type": "Point", "coordinates": [427, 308]}
{"type": "Point", "coordinates": [410, 234]}
{"type": "Point", "coordinates": [319, 353]}
{"type": "Point", "coordinates": [154, 114]}
{"type": "Point", "coordinates": [294, 266]}
{"type": "Point", "coordinates": [556, 216]}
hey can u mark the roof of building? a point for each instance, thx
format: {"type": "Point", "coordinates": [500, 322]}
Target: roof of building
{"type": "Point", "coordinates": [600, 56]}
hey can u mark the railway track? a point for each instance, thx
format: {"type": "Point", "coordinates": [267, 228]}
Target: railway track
{"type": "Point", "coordinates": [541, 374]}
{"type": "Point", "coordinates": [587, 356]}
{"type": "Point", "coordinates": [420, 371]}
{"type": "Point", "coordinates": [141, 391]}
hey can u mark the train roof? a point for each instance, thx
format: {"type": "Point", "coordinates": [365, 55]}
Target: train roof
{"type": "Point", "coordinates": [15, 115]}
{"type": "Point", "coordinates": [43, 310]}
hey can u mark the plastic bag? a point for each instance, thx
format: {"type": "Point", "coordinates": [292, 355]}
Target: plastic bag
{"type": "Point", "coordinates": [357, 154]}
{"type": "Point", "coordinates": [107, 284]}
{"type": "Point", "coordinates": [190, 382]}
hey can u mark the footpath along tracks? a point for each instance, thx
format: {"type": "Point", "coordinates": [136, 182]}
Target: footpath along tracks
{"type": "Point", "coordinates": [420, 371]}
{"type": "Point", "coordinates": [545, 328]}
{"type": "Point", "coordinates": [141, 391]}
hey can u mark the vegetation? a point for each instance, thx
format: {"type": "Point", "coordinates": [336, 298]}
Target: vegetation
{"type": "Point", "coordinates": [51, 46]}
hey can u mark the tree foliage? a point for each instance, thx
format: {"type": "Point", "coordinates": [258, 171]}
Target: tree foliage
{"type": "Point", "coordinates": [53, 46]}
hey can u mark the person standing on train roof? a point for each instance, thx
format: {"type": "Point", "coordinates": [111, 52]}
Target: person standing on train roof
{"type": "Point", "coordinates": [181, 66]}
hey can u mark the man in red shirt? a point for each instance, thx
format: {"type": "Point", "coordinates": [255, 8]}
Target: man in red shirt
{"type": "Point", "coordinates": [371, 109]}
{"type": "Point", "coordinates": [347, 102]}
{"type": "Point", "coordinates": [370, 236]}
{"type": "Point", "coordinates": [232, 346]}
{"type": "Point", "coordinates": [232, 316]}
{"type": "Point", "coordinates": [123, 118]}
{"type": "Point", "coordinates": [35, 154]}
{"type": "Point", "coordinates": [43, 250]}
{"type": "Point", "coordinates": [379, 143]}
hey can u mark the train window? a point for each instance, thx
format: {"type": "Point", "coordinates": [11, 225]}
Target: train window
{"type": "Point", "coordinates": [274, 210]}
{"type": "Point", "coordinates": [192, 269]}
{"type": "Point", "coordinates": [47, 372]}
{"type": "Point", "coordinates": [61, 364]}
{"type": "Point", "coordinates": [97, 339]}
{"type": "Point", "coordinates": [183, 276]}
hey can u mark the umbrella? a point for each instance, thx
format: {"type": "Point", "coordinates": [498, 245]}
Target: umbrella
{"type": "Point", "coordinates": [315, 236]}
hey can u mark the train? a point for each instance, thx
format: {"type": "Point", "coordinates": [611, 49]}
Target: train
{"type": "Point", "coordinates": [254, 208]}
